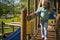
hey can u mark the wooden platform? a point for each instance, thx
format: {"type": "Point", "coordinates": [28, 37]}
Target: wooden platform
{"type": "Point", "coordinates": [51, 34]}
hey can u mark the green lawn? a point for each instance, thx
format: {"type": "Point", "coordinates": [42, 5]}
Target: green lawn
{"type": "Point", "coordinates": [0, 38]}
{"type": "Point", "coordinates": [16, 19]}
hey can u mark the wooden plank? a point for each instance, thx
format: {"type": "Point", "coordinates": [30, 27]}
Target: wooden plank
{"type": "Point", "coordinates": [13, 24]}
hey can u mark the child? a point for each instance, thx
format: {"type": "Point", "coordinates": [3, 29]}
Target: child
{"type": "Point", "coordinates": [44, 15]}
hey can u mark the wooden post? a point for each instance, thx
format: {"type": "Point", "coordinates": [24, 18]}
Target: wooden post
{"type": "Point", "coordinates": [59, 6]}
{"type": "Point", "coordinates": [28, 7]}
{"type": "Point", "coordinates": [28, 36]}
{"type": "Point", "coordinates": [56, 4]}
{"type": "Point", "coordinates": [56, 26]}
{"type": "Point", "coordinates": [28, 13]}
{"type": "Point", "coordinates": [39, 14]}
{"type": "Point", "coordinates": [23, 25]}
{"type": "Point", "coordinates": [2, 29]}
{"type": "Point", "coordinates": [12, 26]}
{"type": "Point", "coordinates": [35, 20]}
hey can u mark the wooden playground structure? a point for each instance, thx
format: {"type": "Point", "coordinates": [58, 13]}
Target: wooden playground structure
{"type": "Point", "coordinates": [36, 20]}
{"type": "Point", "coordinates": [26, 12]}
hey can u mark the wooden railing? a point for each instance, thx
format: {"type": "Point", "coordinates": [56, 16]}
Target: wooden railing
{"type": "Point", "coordinates": [8, 25]}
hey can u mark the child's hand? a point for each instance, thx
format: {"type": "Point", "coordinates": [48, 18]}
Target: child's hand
{"type": "Point", "coordinates": [39, 25]}
{"type": "Point", "coordinates": [57, 18]}
{"type": "Point", "coordinates": [28, 17]}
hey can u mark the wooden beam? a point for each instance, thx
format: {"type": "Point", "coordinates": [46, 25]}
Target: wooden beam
{"type": "Point", "coordinates": [12, 26]}
{"type": "Point", "coordinates": [56, 4]}
{"type": "Point", "coordinates": [40, 3]}
{"type": "Point", "coordinates": [23, 25]}
{"type": "Point", "coordinates": [28, 7]}
{"type": "Point", "coordinates": [35, 20]}
{"type": "Point", "coordinates": [59, 6]}
{"type": "Point", "coordinates": [28, 13]}
{"type": "Point", "coordinates": [2, 30]}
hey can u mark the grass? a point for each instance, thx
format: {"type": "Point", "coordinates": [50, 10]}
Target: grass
{"type": "Point", "coordinates": [10, 19]}
{"type": "Point", "coordinates": [0, 38]}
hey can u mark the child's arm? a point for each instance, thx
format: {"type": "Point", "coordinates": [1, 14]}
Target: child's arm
{"type": "Point", "coordinates": [34, 14]}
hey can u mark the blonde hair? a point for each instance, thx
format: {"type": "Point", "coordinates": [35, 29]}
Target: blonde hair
{"type": "Point", "coordinates": [45, 3]}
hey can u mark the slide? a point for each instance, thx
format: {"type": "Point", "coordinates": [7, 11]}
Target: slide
{"type": "Point", "coordinates": [15, 35]}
